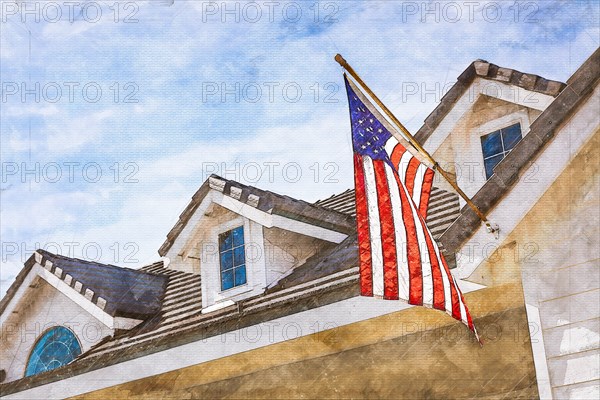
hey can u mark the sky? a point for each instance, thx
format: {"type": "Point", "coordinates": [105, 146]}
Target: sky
{"type": "Point", "coordinates": [114, 113]}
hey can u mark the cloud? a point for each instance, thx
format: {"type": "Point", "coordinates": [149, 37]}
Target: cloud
{"type": "Point", "coordinates": [69, 134]}
{"type": "Point", "coordinates": [175, 138]}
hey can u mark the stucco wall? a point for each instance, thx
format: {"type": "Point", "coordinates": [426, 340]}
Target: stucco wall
{"type": "Point", "coordinates": [563, 278]}
{"type": "Point", "coordinates": [461, 151]}
{"type": "Point", "coordinates": [555, 251]}
{"type": "Point", "coordinates": [414, 353]}
{"type": "Point", "coordinates": [41, 309]}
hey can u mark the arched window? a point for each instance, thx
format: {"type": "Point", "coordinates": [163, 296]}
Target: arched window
{"type": "Point", "coordinates": [57, 347]}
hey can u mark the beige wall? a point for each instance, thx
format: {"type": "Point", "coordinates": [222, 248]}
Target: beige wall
{"type": "Point", "coordinates": [562, 279]}
{"type": "Point", "coordinates": [42, 308]}
{"type": "Point", "coordinates": [555, 250]}
{"type": "Point", "coordinates": [415, 353]}
{"type": "Point", "coordinates": [461, 150]}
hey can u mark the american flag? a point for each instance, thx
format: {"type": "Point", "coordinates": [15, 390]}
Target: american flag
{"type": "Point", "coordinates": [399, 259]}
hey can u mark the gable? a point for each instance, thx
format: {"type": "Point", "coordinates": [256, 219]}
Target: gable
{"type": "Point", "coordinates": [219, 200]}
{"type": "Point", "coordinates": [483, 78]}
{"type": "Point", "coordinates": [535, 163]}
{"type": "Point", "coordinates": [43, 307]}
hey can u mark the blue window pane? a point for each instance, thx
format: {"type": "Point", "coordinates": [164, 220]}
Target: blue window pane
{"type": "Point", "coordinates": [240, 275]}
{"type": "Point", "coordinates": [238, 236]}
{"type": "Point", "coordinates": [238, 256]}
{"type": "Point", "coordinates": [511, 136]}
{"type": "Point", "coordinates": [226, 260]}
{"type": "Point", "coordinates": [491, 144]}
{"type": "Point", "coordinates": [490, 163]}
{"type": "Point", "coordinates": [227, 279]}
{"type": "Point", "coordinates": [225, 241]}
{"type": "Point", "coordinates": [55, 348]}
{"type": "Point", "coordinates": [232, 255]}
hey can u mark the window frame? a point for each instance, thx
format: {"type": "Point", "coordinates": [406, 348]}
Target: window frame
{"type": "Point", "coordinates": [36, 342]}
{"type": "Point", "coordinates": [210, 268]}
{"type": "Point", "coordinates": [503, 151]}
{"type": "Point", "coordinates": [233, 265]}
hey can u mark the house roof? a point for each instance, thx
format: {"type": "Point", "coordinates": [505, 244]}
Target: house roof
{"type": "Point", "coordinates": [120, 292]}
{"type": "Point", "coordinates": [541, 132]}
{"type": "Point", "coordinates": [181, 321]}
{"type": "Point", "coordinates": [443, 208]}
{"type": "Point", "coordinates": [263, 200]}
{"type": "Point", "coordinates": [488, 71]}
{"type": "Point", "coordinates": [329, 276]}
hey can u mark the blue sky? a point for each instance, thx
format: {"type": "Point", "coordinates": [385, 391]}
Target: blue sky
{"type": "Point", "coordinates": [120, 112]}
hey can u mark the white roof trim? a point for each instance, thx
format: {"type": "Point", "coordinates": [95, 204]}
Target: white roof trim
{"type": "Point", "coordinates": [523, 196]}
{"type": "Point", "coordinates": [279, 330]}
{"type": "Point", "coordinates": [484, 87]}
{"type": "Point", "coordinates": [248, 210]}
{"type": "Point", "coordinates": [81, 299]}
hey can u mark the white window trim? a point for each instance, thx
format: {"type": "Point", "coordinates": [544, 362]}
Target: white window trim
{"type": "Point", "coordinates": [223, 228]}
{"type": "Point", "coordinates": [472, 183]}
{"type": "Point", "coordinates": [503, 152]}
{"type": "Point", "coordinates": [210, 270]}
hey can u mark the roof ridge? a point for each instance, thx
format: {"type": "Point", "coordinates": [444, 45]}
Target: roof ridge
{"type": "Point", "coordinates": [489, 71]}
{"type": "Point", "coordinates": [261, 199]}
{"type": "Point", "coordinates": [46, 253]}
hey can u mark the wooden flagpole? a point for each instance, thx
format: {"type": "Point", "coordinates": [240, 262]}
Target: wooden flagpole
{"type": "Point", "coordinates": [414, 142]}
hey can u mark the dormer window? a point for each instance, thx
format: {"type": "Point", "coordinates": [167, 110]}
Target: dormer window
{"type": "Point", "coordinates": [496, 145]}
{"type": "Point", "coordinates": [232, 258]}
{"type": "Point", "coordinates": [57, 347]}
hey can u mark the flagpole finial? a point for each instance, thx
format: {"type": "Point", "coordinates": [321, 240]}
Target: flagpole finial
{"type": "Point", "coordinates": [340, 60]}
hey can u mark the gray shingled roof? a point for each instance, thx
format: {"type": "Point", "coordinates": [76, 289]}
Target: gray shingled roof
{"type": "Point", "coordinates": [488, 71]}
{"type": "Point", "coordinates": [263, 200]}
{"type": "Point", "coordinates": [120, 292]}
{"type": "Point", "coordinates": [329, 276]}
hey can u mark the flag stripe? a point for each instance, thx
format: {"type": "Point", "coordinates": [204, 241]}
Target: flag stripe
{"type": "Point", "coordinates": [445, 281]}
{"type": "Point", "coordinates": [400, 229]}
{"type": "Point", "coordinates": [412, 248]}
{"type": "Point", "coordinates": [418, 185]}
{"type": "Point", "coordinates": [362, 221]}
{"type": "Point", "coordinates": [388, 234]}
{"type": "Point", "coordinates": [426, 192]}
{"type": "Point", "coordinates": [411, 175]}
{"type": "Point", "coordinates": [453, 292]}
{"type": "Point", "coordinates": [374, 227]}
{"type": "Point", "coordinates": [436, 275]}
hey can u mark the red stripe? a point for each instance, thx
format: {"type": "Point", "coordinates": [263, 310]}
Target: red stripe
{"type": "Point", "coordinates": [397, 155]}
{"type": "Point", "coordinates": [436, 273]}
{"type": "Point", "coordinates": [453, 290]}
{"type": "Point", "coordinates": [469, 320]}
{"type": "Point", "coordinates": [388, 233]}
{"type": "Point", "coordinates": [415, 292]}
{"type": "Point", "coordinates": [411, 173]}
{"type": "Point", "coordinates": [362, 226]}
{"type": "Point", "coordinates": [426, 192]}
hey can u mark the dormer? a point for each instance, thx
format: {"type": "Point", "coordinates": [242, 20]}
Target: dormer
{"type": "Point", "coordinates": [59, 308]}
{"type": "Point", "coordinates": [243, 240]}
{"type": "Point", "coordinates": [482, 118]}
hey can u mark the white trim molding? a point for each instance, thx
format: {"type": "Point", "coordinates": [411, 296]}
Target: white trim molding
{"type": "Point", "coordinates": [264, 334]}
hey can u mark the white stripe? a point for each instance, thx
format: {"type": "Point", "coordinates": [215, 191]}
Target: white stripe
{"type": "Point", "coordinates": [418, 187]}
{"type": "Point", "coordinates": [463, 310]}
{"type": "Point", "coordinates": [401, 254]}
{"type": "Point", "coordinates": [390, 145]}
{"type": "Point", "coordinates": [403, 166]}
{"type": "Point", "coordinates": [445, 279]}
{"type": "Point", "coordinates": [423, 250]}
{"type": "Point", "coordinates": [447, 292]}
{"type": "Point", "coordinates": [374, 227]}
